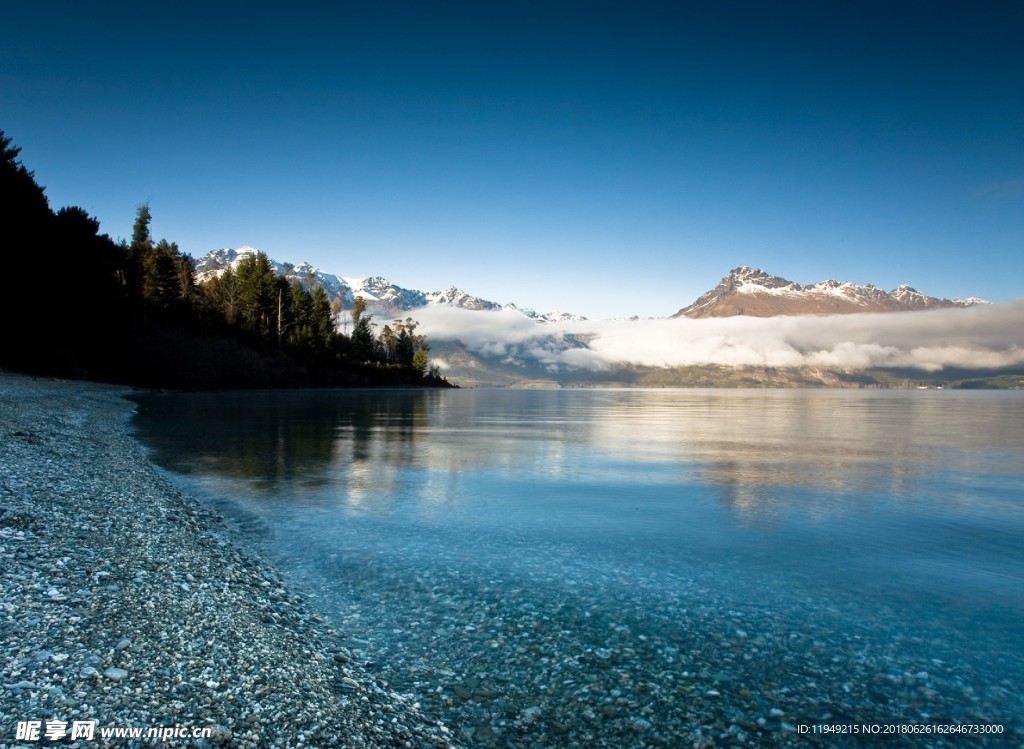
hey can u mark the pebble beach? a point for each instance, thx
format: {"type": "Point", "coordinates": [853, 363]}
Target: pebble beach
{"type": "Point", "coordinates": [126, 604]}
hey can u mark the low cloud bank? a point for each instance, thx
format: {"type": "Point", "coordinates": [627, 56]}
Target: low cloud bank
{"type": "Point", "coordinates": [977, 337]}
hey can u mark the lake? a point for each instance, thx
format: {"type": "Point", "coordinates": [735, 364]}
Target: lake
{"type": "Point", "coordinates": [655, 568]}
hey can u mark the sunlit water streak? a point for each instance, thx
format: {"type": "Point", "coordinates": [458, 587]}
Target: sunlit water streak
{"type": "Point", "coordinates": [448, 531]}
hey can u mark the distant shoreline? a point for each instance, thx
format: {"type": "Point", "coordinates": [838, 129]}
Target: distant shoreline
{"type": "Point", "coordinates": [129, 604]}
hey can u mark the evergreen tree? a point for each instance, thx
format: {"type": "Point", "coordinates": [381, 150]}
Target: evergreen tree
{"type": "Point", "coordinates": [72, 327]}
{"type": "Point", "coordinates": [142, 240]}
{"type": "Point", "coordinates": [25, 226]}
{"type": "Point", "coordinates": [24, 201]}
{"type": "Point", "coordinates": [404, 348]}
{"type": "Point", "coordinates": [300, 331]}
{"type": "Point", "coordinates": [160, 275]}
{"type": "Point", "coordinates": [257, 295]}
{"type": "Point", "coordinates": [322, 321]}
{"type": "Point", "coordinates": [92, 265]}
{"type": "Point", "coordinates": [140, 250]}
{"type": "Point", "coordinates": [362, 332]}
{"type": "Point", "coordinates": [223, 294]}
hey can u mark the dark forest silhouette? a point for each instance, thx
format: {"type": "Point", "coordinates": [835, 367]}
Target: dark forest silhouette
{"type": "Point", "coordinates": [131, 312]}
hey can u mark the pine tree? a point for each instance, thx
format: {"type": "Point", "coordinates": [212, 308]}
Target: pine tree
{"type": "Point", "coordinates": [160, 279]}
{"type": "Point", "coordinates": [257, 295]}
{"type": "Point", "coordinates": [142, 240]}
{"type": "Point", "coordinates": [24, 201]}
{"type": "Point", "coordinates": [362, 332]}
{"type": "Point", "coordinates": [300, 331]}
{"type": "Point", "coordinates": [322, 322]}
{"type": "Point", "coordinates": [223, 294]}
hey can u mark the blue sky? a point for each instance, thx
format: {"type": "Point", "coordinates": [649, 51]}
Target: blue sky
{"type": "Point", "coordinates": [608, 159]}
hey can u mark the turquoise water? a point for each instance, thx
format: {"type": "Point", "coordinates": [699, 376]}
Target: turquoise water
{"type": "Point", "coordinates": [643, 568]}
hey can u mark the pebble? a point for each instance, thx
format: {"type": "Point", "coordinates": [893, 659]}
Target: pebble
{"type": "Point", "coordinates": [83, 510]}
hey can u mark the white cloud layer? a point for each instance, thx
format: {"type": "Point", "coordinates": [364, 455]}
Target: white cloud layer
{"type": "Point", "coordinates": [977, 337]}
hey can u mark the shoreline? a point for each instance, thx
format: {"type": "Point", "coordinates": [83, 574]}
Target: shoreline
{"type": "Point", "coordinates": [127, 603]}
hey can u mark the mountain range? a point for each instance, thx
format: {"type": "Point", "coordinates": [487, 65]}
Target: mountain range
{"type": "Point", "coordinates": [752, 292]}
{"type": "Point", "coordinates": [379, 293]}
{"type": "Point", "coordinates": [752, 330]}
{"type": "Point", "coordinates": [743, 291]}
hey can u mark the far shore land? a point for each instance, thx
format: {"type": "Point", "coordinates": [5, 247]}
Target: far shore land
{"type": "Point", "coordinates": [125, 603]}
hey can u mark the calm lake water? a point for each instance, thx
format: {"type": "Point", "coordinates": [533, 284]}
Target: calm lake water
{"type": "Point", "coordinates": [643, 568]}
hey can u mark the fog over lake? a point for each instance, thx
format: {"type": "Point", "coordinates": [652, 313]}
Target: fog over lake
{"type": "Point", "coordinates": [986, 336]}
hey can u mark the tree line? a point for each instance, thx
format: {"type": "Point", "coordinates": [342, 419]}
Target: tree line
{"type": "Point", "coordinates": [282, 313]}
{"type": "Point", "coordinates": [86, 306]}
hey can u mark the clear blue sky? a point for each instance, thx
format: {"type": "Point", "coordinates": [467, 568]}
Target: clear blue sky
{"type": "Point", "coordinates": [608, 159]}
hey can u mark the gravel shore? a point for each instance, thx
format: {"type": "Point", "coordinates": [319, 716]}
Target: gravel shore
{"type": "Point", "coordinates": [125, 603]}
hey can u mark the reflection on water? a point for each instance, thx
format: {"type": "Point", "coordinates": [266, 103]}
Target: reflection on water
{"type": "Point", "coordinates": [923, 489]}
{"type": "Point", "coordinates": [754, 447]}
{"type": "Point", "coordinates": [881, 532]}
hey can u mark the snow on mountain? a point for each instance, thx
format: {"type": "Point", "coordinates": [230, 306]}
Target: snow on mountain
{"type": "Point", "coordinates": [455, 297]}
{"type": "Point", "coordinates": [214, 263]}
{"type": "Point", "coordinates": [744, 291]}
{"type": "Point", "coordinates": [383, 292]}
{"type": "Point", "coordinates": [546, 316]}
{"type": "Point", "coordinates": [752, 292]}
{"type": "Point", "coordinates": [381, 296]}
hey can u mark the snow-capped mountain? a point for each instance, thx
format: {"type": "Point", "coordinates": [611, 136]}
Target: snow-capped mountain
{"type": "Point", "coordinates": [547, 316]}
{"type": "Point", "coordinates": [752, 292]}
{"type": "Point", "coordinates": [381, 296]}
{"type": "Point", "coordinates": [455, 297]}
